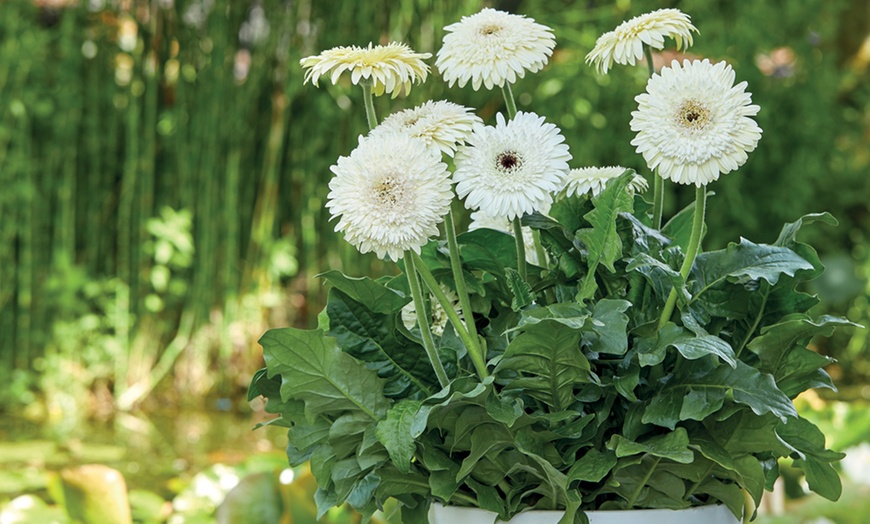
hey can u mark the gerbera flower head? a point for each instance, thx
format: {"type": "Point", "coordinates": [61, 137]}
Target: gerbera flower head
{"type": "Point", "coordinates": [693, 123]}
{"type": "Point", "coordinates": [391, 193]}
{"type": "Point", "coordinates": [441, 124]}
{"type": "Point", "coordinates": [439, 316]}
{"type": "Point", "coordinates": [594, 179]}
{"type": "Point", "coordinates": [493, 47]}
{"type": "Point", "coordinates": [391, 68]}
{"type": "Point", "coordinates": [624, 45]}
{"type": "Point", "coordinates": [513, 168]}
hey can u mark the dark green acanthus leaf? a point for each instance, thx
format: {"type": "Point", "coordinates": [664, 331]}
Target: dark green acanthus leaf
{"type": "Point", "coordinates": [790, 230]}
{"type": "Point", "coordinates": [691, 346]}
{"type": "Point", "coordinates": [313, 369]}
{"type": "Point", "coordinates": [488, 250]}
{"type": "Point", "coordinates": [572, 315]}
{"type": "Point", "coordinates": [375, 296]}
{"type": "Point", "coordinates": [592, 466]}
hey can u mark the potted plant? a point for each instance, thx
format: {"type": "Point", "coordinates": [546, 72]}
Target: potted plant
{"type": "Point", "coordinates": [569, 356]}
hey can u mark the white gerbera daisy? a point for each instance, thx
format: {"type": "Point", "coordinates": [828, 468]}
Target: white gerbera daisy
{"type": "Point", "coordinates": [440, 124]}
{"type": "Point", "coordinates": [594, 180]}
{"type": "Point", "coordinates": [693, 122]}
{"type": "Point", "coordinates": [392, 67]}
{"type": "Point", "coordinates": [493, 47]}
{"type": "Point", "coordinates": [513, 168]}
{"type": "Point", "coordinates": [480, 220]}
{"type": "Point", "coordinates": [391, 193]}
{"type": "Point", "coordinates": [439, 316]}
{"type": "Point", "coordinates": [624, 45]}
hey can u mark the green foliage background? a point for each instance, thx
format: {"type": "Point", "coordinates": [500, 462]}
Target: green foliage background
{"type": "Point", "coordinates": [162, 194]}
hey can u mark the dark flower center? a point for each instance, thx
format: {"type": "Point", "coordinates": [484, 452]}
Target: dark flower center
{"type": "Point", "coordinates": [508, 161]}
{"type": "Point", "coordinates": [692, 114]}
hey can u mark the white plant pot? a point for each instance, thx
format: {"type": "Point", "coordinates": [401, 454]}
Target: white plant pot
{"type": "Point", "coordinates": [714, 514]}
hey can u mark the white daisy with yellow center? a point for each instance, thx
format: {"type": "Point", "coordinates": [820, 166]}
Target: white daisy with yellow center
{"type": "Point", "coordinates": [440, 124]}
{"type": "Point", "coordinates": [693, 123]}
{"type": "Point", "coordinates": [593, 180]}
{"type": "Point", "coordinates": [391, 68]}
{"type": "Point", "coordinates": [624, 45]}
{"type": "Point", "coordinates": [391, 193]}
{"type": "Point", "coordinates": [513, 168]}
{"type": "Point", "coordinates": [493, 47]}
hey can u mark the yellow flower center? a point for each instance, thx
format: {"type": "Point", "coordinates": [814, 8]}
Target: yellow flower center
{"type": "Point", "coordinates": [490, 29]}
{"type": "Point", "coordinates": [693, 115]}
{"type": "Point", "coordinates": [389, 191]}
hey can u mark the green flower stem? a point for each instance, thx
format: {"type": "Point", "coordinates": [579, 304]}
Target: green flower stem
{"type": "Point", "coordinates": [474, 351]}
{"type": "Point", "coordinates": [462, 291]}
{"type": "Point", "coordinates": [423, 320]}
{"type": "Point", "coordinates": [658, 182]}
{"type": "Point", "coordinates": [368, 100]}
{"type": "Point", "coordinates": [658, 199]}
{"type": "Point", "coordinates": [521, 249]}
{"type": "Point", "coordinates": [643, 482]}
{"type": "Point", "coordinates": [691, 252]}
{"type": "Point", "coordinates": [539, 249]}
{"type": "Point", "coordinates": [509, 100]}
{"type": "Point", "coordinates": [647, 52]}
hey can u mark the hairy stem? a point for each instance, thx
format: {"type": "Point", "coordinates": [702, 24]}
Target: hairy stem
{"type": "Point", "coordinates": [509, 100]}
{"type": "Point", "coordinates": [462, 291]}
{"type": "Point", "coordinates": [368, 100]}
{"type": "Point", "coordinates": [423, 319]}
{"type": "Point", "coordinates": [691, 252]}
{"type": "Point", "coordinates": [521, 249]}
{"type": "Point", "coordinates": [474, 351]}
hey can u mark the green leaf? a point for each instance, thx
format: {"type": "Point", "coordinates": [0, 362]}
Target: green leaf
{"type": "Point", "coordinates": [789, 231]}
{"type": "Point", "coordinates": [371, 337]}
{"type": "Point", "coordinates": [488, 250]}
{"type": "Point", "coordinates": [376, 297]}
{"type": "Point", "coordinates": [611, 326]}
{"type": "Point", "coordinates": [744, 383]}
{"type": "Point", "coordinates": [593, 466]}
{"type": "Point", "coordinates": [783, 353]}
{"type": "Point", "coordinates": [521, 289]}
{"type": "Point", "coordinates": [815, 460]}
{"type": "Point", "coordinates": [690, 346]}
{"type": "Point", "coordinates": [672, 445]}
{"type": "Point", "coordinates": [548, 358]}
{"type": "Point", "coordinates": [315, 370]}
{"type": "Point", "coordinates": [729, 494]}
{"type": "Point", "coordinates": [744, 262]}
{"type": "Point", "coordinates": [394, 432]}
{"type": "Point", "coordinates": [602, 241]}
{"type": "Point", "coordinates": [571, 314]}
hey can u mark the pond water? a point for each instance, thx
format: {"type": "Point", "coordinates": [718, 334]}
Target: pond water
{"type": "Point", "coordinates": [155, 452]}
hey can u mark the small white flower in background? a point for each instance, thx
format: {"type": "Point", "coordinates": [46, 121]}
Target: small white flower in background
{"type": "Point", "coordinates": [624, 45]}
{"type": "Point", "coordinates": [480, 220]}
{"type": "Point", "coordinates": [391, 193]}
{"type": "Point", "coordinates": [513, 168]}
{"type": "Point", "coordinates": [493, 47]}
{"type": "Point", "coordinates": [392, 68]}
{"type": "Point", "coordinates": [594, 179]}
{"type": "Point", "coordinates": [439, 317]}
{"type": "Point", "coordinates": [693, 123]}
{"type": "Point", "coordinates": [440, 124]}
{"type": "Point", "coordinates": [856, 464]}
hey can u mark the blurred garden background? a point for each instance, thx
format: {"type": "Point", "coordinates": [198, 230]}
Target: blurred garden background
{"type": "Point", "coordinates": [163, 173]}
